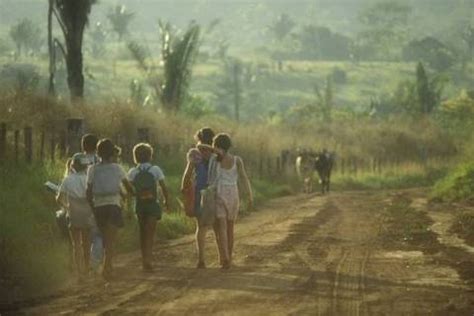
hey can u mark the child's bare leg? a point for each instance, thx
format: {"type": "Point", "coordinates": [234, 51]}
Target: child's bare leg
{"type": "Point", "coordinates": [223, 241]}
{"type": "Point", "coordinates": [150, 229]}
{"type": "Point", "coordinates": [215, 227]}
{"type": "Point", "coordinates": [142, 232]}
{"type": "Point", "coordinates": [230, 238]}
{"type": "Point", "coordinates": [201, 231]}
{"type": "Point", "coordinates": [110, 233]}
{"type": "Point", "coordinates": [76, 248]}
{"type": "Point", "coordinates": [86, 248]}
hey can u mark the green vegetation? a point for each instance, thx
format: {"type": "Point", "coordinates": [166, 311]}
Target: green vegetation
{"type": "Point", "coordinates": [458, 185]}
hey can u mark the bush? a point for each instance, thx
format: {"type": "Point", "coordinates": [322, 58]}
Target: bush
{"type": "Point", "coordinates": [457, 185]}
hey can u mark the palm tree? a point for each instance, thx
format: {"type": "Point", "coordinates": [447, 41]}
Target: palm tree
{"type": "Point", "coordinates": [120, 19]}
{"type": "Point", "coordinates": [178, 56]}
{"type": "Point", "coordinates": [72, 16]}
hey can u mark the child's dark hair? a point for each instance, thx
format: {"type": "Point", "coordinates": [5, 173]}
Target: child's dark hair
{"type": "Point", "coordinates": [89, 143]}
{"type": "Point", "coordinates": [222, 141]}
{"type": "Point", "coordinates": [142, 153]}
{"type": "Point", "coordinates": [205, 135]}
{"type": "Point", "coordinates": [105, 149]}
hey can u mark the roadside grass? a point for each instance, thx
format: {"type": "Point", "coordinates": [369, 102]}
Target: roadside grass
{"type": "Point", "coordinates": [32, 252]}
{"type": "Point", "coordinates": [457, 185]}
{"type": "Point", "coordinates": [397, 178]}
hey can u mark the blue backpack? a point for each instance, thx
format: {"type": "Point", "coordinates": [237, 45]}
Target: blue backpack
{"type": "Point", "coordinates": [146, 192]}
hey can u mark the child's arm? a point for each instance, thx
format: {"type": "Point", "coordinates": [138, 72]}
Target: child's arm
{"type": "Point", "coordinates": [89, 195]}
{"type": "Point", "coordinates": [164, 191]}
{"type": "Point", "coordinates": [61, 199]}
{"type": "Point", "coordinates": [188, 172]}
{"type": "Point", "coordinates": [128, 186]}
{"type": "Point", "coordinates": [243, 175]}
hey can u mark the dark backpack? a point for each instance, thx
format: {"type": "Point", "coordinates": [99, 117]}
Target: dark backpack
{"type": "Point", "coordinates": [145, 190]}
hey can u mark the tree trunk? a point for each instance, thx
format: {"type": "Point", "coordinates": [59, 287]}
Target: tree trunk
{"type": "Point", "coordinates": [75, 77]}
{"type": "Point", "coordinates": [51, 50]}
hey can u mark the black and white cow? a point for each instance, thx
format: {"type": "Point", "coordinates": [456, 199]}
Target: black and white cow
{"type": "Point", "coordinates": [308, 162]}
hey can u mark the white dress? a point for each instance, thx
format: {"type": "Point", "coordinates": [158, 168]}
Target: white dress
{"type": "Point", "coordinates": [228, 201]}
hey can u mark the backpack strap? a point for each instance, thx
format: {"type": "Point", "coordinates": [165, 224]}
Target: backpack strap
{"type": "Point", "coordinates": [212, 171]}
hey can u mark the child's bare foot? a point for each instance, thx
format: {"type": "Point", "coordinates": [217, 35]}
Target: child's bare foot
{"type": "Point", "coordinates": [201, 265]}
{"type": "Point", "coordinates": [225, 265]}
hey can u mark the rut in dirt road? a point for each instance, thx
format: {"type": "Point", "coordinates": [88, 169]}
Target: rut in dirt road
{"type": "Point", "coordinates": [297, 256]}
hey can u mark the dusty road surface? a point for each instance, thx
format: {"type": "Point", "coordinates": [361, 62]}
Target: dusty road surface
{"type": "Point", "coordinates": [332, 255]}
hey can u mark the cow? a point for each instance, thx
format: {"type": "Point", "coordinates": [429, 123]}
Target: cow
{"type": "Point", "coordinates": [309, 162]}
{"type": "Point", "coordinates": [323, 164]}
{"type": "Point", "coordinates": [305, 169]}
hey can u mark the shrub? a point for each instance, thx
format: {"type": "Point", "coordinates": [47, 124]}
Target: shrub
{"type": "Point", "coordinates": [457, 185]}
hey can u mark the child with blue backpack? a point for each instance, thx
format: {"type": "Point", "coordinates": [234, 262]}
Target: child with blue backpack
{"type": "Point", "coordinates": [146, 178]}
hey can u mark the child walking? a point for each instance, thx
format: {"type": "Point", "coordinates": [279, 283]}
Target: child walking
{"type": "Point", "coordinates": [89, 149]}
{"type": "Point", "coordinates": [104, 182]}
{"type": "Point", "coordinates": [72, 196]}
{"type": "Point", "coordinates": [195, 179]}
{"type": "Point", "coordinates": [146, 178]}
{"type": "Point", "coordinates": [229, 170]}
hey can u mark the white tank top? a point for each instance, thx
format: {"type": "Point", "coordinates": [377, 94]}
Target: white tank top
{"type": "Point", "coordinates": [228, 176]}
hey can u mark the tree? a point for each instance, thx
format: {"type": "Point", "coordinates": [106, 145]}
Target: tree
{"type": "Point", "coordinates": [428, 91]}
{"type": "Point", "coordinates": [120, 19]}
{"type": "Point", "coordinates": [72, 16]}
{"type": "Point", "coordinates": [384, 27]}
{"type": "Point", "coordinates": [178, 54]}
{"type": "Point", "coordinates": [319, 42]}
{"type": "Point", "coordinates": [468, 38]}
{"type": "Point", "coordinates": [26, 35]}
{"type": "Point", "coordinates": [436, 54]}
{"type": "Point", "coordinates": [325, 100]}
{"type": "Point", "coordinates": [281, 27]}
{"type": "Point", "coordinates": [229, 88]}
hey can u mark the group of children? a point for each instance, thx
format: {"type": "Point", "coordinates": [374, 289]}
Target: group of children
{"type": "Point", "coordinates": [95, 186]}
{"type": "Point", "coordinates": [92, 193]}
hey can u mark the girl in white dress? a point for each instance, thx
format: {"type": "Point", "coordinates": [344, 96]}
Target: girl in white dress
{"type": "Point", "coordinates": [230, 170]}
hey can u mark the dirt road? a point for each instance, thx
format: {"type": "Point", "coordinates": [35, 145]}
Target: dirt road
{"type": "Point", "coordinates": [301, 255]}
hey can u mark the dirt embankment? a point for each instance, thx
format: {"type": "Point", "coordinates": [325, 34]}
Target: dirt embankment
{"type": "Point", "coordinates": [332, 255]}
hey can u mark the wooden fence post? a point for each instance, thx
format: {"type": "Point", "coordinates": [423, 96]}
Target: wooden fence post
{"type": "Point", "coordinates": [17, 146]}
{"type": "Point", "coordinates": [74, 131]}
{"type": "Point", "coordinates": [3, 141]}
{"type": "Point", "coordinates": [28, 139]}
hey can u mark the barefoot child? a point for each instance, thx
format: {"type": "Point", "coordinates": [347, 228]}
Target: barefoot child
{"type": "Point", "coordinates": [195, 179]}
{"type": "Point", "coordinates": [89, 148]}
{"type": "Point", "coordinates": [72, 196]}
{"type": "Point", "coordinates": [146, 178]}
{"type": "Point", "coordinates": [230, 169]}
{"type": "Point", "coordinates": [104, 181]}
